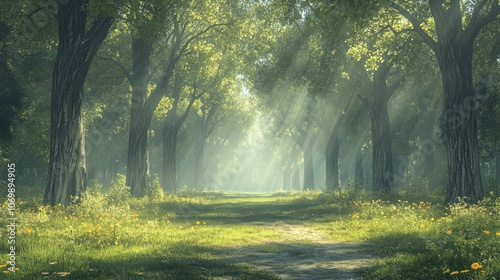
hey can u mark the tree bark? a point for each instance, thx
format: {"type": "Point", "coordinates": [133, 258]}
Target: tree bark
{"type": "Point", "coordinates": [459, 123]}
{"type": "Point", "coordinates": [76, 50]}
{"type": "Point", "coordinates": [308, 165]}
{"type": "Point", "coordinates": [169, 166]}
{"type": "Point", "coordinates": [138, 165]}
{"type": "Point", "coordinates": [332, 162]}
{"type": "Point", "coordinates": [376, 98]}
{"type": "Point", "coordinates": [358, 170]}
{"type": "Point", "coordinates": [383, 179]}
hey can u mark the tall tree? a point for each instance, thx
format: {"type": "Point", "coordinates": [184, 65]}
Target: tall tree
{"type": "Point", "coordinates": [78, 45]}
{"type": "Point", "coordinates": [375, 95]}
{"type": "Point", "coordinates": [453, 46]}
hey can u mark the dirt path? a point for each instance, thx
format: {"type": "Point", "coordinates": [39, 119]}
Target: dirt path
{"type": "Point", "coordinates": [304, 253]}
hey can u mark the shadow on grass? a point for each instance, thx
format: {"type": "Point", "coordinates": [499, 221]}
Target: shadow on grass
{"type": "Point", "coordinates": [403, 256]}
{"type": "Point", "coordinates": [206, 263]}
{"type": "Point", "coordinates": [232, 213]}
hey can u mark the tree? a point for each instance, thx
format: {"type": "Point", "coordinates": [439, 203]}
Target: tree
{"type": "Point", "coordinates": [375, 95]}
{"type": "Point", "coordinates": [453, 46]}
{"type": "Point", "coordinates": [77, 48]}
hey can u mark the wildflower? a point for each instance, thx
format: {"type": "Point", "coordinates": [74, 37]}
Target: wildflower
{"type": "Point", "coordinates": [449, 231]}
{"type": "Point", "coordinates": [476, 266]}
{"type": "Point", "coordinates": [16, 268]}
{"type": "Point", "coordinates": [454, 273]}
{"type": "Point", "coordinates": [486, 231]}
{"type": "Point", "coordinates": [422, 226]}
{"type": "Point", "coordinates": [432, 219]}
{"type": "Point", "coordinates": [498, 233]}
{"type": "Point", "coordinates": [198, 223]}
{"type": "Point", "coordinates": [5, 272]}
{"type": "Point", "coordinates": [28, 230]}
{"type": "Point", "coordinates": [464, 271]}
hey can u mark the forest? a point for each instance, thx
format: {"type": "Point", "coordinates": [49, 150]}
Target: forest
{"type": "Point", "coordinates": [258, 139]}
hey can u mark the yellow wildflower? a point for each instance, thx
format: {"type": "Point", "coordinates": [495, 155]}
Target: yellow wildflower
{"type": "Point", "coordinates": [28, 230]}
{"type": "Point", "coordinates": [454, 273]}
{"type": "Point", "coordinates": [198, 223]}
{"type": "Point", "coordinates": [486, 231]}
{"type": "Point", "coordinates": [449, 231]}
{"type": "Point", "coordinates": [464, 271]}
{"type": "Point", "coordinates": [476, 266]}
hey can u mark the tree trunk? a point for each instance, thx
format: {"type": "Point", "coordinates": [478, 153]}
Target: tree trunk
{"type": "Point", "coordinates": [332, 162]}
{"type": "Point", "coordinates": [383, 179]}
{"type": "Point", "coordinates": [169, 166]}
{"type": "Point", "coordinates": [308, 165]}
{"type": "Point", "coordinates": [138, 174]}
{"type": "Point", "coordinates": [377, 95]}
{"type": "Point", "coordinates": [138, 166]}
{"type": "Point", "coordinates": [458, 122]}
{"type": "Point", "coordinates": [377, 99]}
{"type": "Point", "coordinates": [76, 50]}
{"type": "Point", "coordinates": [358, 170]}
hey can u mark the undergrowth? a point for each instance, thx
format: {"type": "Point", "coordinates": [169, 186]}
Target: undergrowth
{"type": "Point", "coordinates": [111, 235]}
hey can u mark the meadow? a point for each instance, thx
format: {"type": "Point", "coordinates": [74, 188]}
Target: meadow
{"type": "Point", "coordinates": [111, 235]}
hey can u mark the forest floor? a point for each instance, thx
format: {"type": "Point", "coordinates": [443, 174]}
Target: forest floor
{"type": "Point", "coordinates": [222, 236]}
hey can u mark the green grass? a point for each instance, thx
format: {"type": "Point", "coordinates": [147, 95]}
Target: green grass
{"type": "Point", "coordinates": [188, 236]}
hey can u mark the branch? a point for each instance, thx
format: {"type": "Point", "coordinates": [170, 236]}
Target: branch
{"type": "Point", "coordinates": [416, 25]}
{"type": "Point", "coordinates": [119, 65]}
{"type": "Point", "coordinates": [365, 77]}
{"type": "Point", "coordinates": [394, 86]}
{"type": "Point", "coordinates": [189, 40]}
{"type": "Point", "coordinates": [363, 99]}
{"type": "Point", "coordinates": [477, 10]}
{"type": "Point", "coordinates": [96, 34]}
{"type": "Point", "coordinates": [475, 27]}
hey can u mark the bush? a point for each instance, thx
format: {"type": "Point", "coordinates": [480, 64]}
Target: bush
{"type": "Point", "coordinates": [119, 193]}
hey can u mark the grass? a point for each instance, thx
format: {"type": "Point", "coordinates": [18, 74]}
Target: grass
{"type": "Point", "coordinates": [187, 236]}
